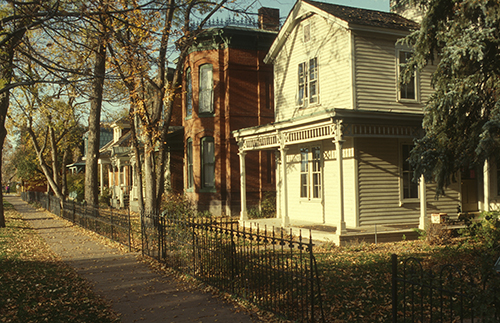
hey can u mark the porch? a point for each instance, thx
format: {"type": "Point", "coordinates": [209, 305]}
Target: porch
{"type": "Point", "coordinates": [321, 233]}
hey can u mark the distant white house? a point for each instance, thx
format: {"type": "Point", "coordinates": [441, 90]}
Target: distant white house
{"type": "Point", "coordinates": [344, 124]}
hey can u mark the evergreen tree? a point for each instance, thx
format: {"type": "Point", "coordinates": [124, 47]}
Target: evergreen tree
{"type": "Point", "coordinates": [462, 117]}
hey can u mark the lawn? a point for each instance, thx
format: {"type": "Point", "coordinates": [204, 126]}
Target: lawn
{"type": "Point", "coordinates": [356, 279]}
{"type": "Point", "coordinates": [36, 287]}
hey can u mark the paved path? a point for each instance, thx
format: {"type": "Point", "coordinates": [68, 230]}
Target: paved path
{"type": "Point", "coordinates": [136, 292]}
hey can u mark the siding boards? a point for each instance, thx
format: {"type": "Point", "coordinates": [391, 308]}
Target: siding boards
{"type": "Point", "coordinates": [378, 178]}
{"type": "Point", "coordinates": [376, 76]}
{"type": "Point", "coordinates": [330, 43]}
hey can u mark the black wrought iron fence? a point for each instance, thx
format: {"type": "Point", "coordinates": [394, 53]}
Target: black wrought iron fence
{"type": "Point", "coordinates": [449, 294]}
{"type": "Point", "coordinates": [272, 269]}
{"type": "Point", "coordinates": [113, 224]}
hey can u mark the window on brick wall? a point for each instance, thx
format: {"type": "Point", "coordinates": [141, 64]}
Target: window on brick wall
{"type": "Point", "coordinates": [208, 162]}
{"type": "Point", "coordinates": [308, 82]}
{"type": "Point", "coordinates": [189, 161]}
{"type": "Point", "coordinates": [189, 94]}
{"type": "Point", "coordinates": [206, 95]}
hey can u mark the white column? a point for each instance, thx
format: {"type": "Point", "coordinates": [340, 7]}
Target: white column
{"type": "Point", "coordinates": [423, 203]}
{"type": "Point", "coordinates": [285, 219]}
{"type": "Point", "coordinates": [486, 187]}
{"type": "Point", "coordinates": [279, 212]}
{"type": "Point", "coordinates": [339, 144]}
{"type": "Point", "coordinates": [243, 186]}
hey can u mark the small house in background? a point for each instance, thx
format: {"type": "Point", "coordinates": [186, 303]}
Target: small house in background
{"type": "Point", "coordinates": [118, 165]}
{"type": "Point", "coordinates": [227, 86]}
{"type": "Point", "coordinates": [345, 123]}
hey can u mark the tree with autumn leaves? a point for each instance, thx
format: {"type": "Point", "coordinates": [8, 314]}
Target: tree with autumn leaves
{"type": "Point", "coordinates": [88, 47]}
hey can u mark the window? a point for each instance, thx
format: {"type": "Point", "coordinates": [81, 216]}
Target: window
{"type": "Point", "coordinates": [304, 172]}
{"type": "Point", "coordinates": [310, 175]}
{"type": "Point", "coordinates": [409, 187]}
{"type": "Point", "coordinates": [307, 32]}
{"type": "Point", "coordinates": [206, 89]}
{"type": "Point", "coordinates": [313, 80]}
{"type": "Point", "coordinates": [407, 91]}
{"type": "Point", "coordinates": [308, 85]}
{"type": "Point", "coordinates": [316, 172]}
{"type": "Point", "coordinates": [189, 157]}
{"type": "Point", "coordinates": [189, 94]}
{"type": "Point", "coordinates": [208, 162]}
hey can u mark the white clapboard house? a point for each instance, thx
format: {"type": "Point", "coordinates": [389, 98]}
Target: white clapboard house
{"type": "Point", "coordinates": [344, 124]}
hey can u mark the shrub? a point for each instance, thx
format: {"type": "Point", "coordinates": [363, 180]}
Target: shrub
{"type": "Point", "coordinates": [76, 186]}
{"type": "Point", "coordinates": [105, 197]}
{"type": "Point", "coordinates": [267, 209]}
{"type": "Point", "coordinates": [486, 230]}
{"type": "Point", "coordinates": [177, 205]}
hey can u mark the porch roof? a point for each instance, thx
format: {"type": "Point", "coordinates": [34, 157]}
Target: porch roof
{"type": "Point", "coordinates": [355, 123]}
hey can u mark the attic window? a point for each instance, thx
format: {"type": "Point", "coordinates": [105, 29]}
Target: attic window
{"type": "Point", "coordinates": [307, 33]}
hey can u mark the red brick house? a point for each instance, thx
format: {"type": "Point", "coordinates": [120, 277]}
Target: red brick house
{"type": "Point", "coordinates": [227, 86]}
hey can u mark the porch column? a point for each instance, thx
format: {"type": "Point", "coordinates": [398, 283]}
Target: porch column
{"type": "Point", "coordinates": [243, 186]}
{"type": "Point", "coordinates": [423, 203]}
{"type": "Point", "coordinates": [339, 143]}
{"type": "Point", "coordinates": [486, 185]}
{"type": "Point", "coordinates": [285, 219]}
{"type": "Point", "coordinates": [279, 212]}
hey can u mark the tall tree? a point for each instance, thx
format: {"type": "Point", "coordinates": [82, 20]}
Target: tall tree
{"type": "Point", "coordinates": [462, 117]}
{"type": "Point", "coordinates": [140, 56]}
{"type": "Point", "coordinates": [16, 19]}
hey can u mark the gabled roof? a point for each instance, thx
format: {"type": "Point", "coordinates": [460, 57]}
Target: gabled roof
{"type": "Point", "coordinates": [348, 17]}
{"type": "Point", "coordinates": [366, 17]}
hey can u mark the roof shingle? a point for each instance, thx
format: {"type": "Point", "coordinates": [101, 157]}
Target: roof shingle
{"type": "Point", "coordinates": [366, 17]}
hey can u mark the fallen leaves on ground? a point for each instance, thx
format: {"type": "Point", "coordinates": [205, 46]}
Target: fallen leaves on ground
{"type": "Point", "coordinates": [36, 287]}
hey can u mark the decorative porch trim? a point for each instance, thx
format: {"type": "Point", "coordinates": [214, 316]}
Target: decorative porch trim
{"type": "Point", "coordinates": [364, 130]}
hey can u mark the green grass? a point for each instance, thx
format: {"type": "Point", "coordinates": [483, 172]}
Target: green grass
{"type": "Point", "coordinates": [36, 287]}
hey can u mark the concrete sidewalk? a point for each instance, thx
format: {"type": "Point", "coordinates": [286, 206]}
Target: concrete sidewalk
{"type": "Point", "coordinates": [136, 292]}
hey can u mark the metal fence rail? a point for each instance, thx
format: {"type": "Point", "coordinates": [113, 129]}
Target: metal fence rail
{"type": "Point", "coordinates": [446, 295]}
{"type": "Point", "coordinates": [275, 271]}
{"type": "Point", "coordinates": [106, 222]}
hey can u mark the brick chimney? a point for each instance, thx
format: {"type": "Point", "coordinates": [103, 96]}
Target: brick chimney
{"type": "Point", "coordinates": [269, 19]}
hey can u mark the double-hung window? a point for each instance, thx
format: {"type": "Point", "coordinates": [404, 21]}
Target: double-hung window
{"type": "Point", "coordinates": [308, 82]}
{"type": "Point", "coordinates": [310, 173]}
{"type": "Point", "coordinates": [206, 95]}
{"type": "Point", "coordinates": [189, 161]}
{"type": "Point", "coordinates": [409, 189]}
{"type": "Point", "coordinates": [189, 94]}
{"type": "Point", "coordinates": [208, 162]}
{"type": "Point", "coordinates": [408, 89]}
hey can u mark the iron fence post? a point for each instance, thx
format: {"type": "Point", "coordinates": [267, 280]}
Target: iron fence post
{"type": "Point", "coordinates": [129, 231]}
{"type": "Point", "coordinates": [394, 259]}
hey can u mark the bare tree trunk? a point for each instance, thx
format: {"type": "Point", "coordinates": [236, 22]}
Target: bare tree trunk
{"type": "Point", "coordinates": [64, 184]}
{"type": "Point", "coordinates": [54, 154]}
{"type": "Point", "coordinates": [91, 169]}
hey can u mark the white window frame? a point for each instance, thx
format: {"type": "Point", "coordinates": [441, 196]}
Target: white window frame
{"type": "Point", "coordinates": [308, 82]}
{"type": "Point", "coordinates": [189, 164]}
{"type": "Point", "coordinates": [206, 90]}
{"type": "Point", "coordinates": [406, 176]}
{"type": "Point", "coordinates": [189, 92]}
{"type": "Point", "coordinates": [309, 171]}
{"type": "Point", "coordinates": [400, 86]}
